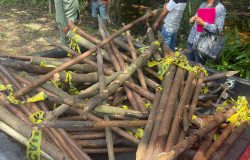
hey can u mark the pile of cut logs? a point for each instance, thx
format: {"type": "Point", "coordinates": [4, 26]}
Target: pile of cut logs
{"type": "Point", "coordinates": [106, 101]}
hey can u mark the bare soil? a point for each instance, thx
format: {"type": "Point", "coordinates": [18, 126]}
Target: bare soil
{"type": "Point", "coordinates": [23, 29]}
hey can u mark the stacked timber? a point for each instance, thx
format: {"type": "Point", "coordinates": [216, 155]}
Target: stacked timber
{"type": "Point", "coordinates": [107, 100]}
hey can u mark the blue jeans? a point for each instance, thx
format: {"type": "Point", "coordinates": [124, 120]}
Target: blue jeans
{"type": "Point", "coordinates": [169, 38]}
{"type": "Point", "coordinates": [101, 7]}
{"type": "Point", "coordinates": [194, 55]}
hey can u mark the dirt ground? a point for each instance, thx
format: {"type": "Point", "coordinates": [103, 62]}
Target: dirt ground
{"type": "Point", "coordinates": [23, 29]}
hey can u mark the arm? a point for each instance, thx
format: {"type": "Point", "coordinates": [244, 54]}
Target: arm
{"type": "Point", "coordinates": [162, 16]}
{"type": "Point", "coordinates": [86, 2]}
{"type": "Point", "coordinates": [60, 16]}
{"type": "Point", "coordinates": [219, 21]}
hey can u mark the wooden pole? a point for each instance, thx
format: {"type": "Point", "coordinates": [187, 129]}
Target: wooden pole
{"type": "Point", "coordinates": [25, 130]}
{"type": "Point", "coordinates": [215, 146]}
{"type": "Point", "coordinates": [149, 127]}
{"type": "Point", "coordinates": [189, 141]}
{"type": "Point", "coordinates": [168, 112]}
{"type": "Point", "coordinates": [166, 85]}
{"type": "Point", "coordinates": [20, 138]}
{"type": "Point", "coordinates": [91, 124]}
{"type": "Point", "coordinates": [49, 75]}
{"type": "Point", "coordinates": [175, 127]}
{"type": "Point", "coordinates": [109, 141]}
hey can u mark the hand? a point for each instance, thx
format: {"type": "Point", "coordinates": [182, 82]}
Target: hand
{"type": "Point", "coordinates": [70, 24]}
{"type": "Point", "coordinates": [156, 26]}
{"type": "Point", "coordinates": [86, 3]}
{"type": "Point", "coordinates": [192, 19]}
{"type": "Point", "coordinates": [65, 29]}
{"type": "Point", "coordinates": [199, 21]}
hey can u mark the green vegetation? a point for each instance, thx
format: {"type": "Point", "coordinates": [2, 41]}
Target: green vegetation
{"type": "Point", "coordinates": [235, 56]}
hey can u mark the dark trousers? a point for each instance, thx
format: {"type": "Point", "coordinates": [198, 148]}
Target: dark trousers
{"type": "Point", "coordinates": [194, 55]}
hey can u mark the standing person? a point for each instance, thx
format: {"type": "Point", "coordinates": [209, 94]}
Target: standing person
{"type": "Point", "coordinates": [217, 26]}
{"type": "Point", "coordinates": [66, 10]}
{"type": "Point", "coordinates": [101, 7]}
{"type": "Point", "coordinates": [172, 12]}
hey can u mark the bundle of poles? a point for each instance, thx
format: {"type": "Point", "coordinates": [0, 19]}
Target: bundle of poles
{"type": "Point", "coordinates": [120, 106]}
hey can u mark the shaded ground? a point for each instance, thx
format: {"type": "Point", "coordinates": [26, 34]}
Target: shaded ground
{"type": "Point", "coordinates": [23, 29]}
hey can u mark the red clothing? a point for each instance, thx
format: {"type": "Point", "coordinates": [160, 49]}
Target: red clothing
{"type": "Point", "coordinates": [106, 1]}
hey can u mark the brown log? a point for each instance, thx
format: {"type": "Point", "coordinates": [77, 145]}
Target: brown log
{"type": "Point", "coordinates": [85, 68]}
{"type": "Point", "coordinates": [48, 86]}
{"type": "Point", "coordinates": [91, 124]}
{"type": "Point", "coordinates": [166, 85]}
{"type": "Point", "coordinates": [88, 45]}
{"type": "Point", "coordinates": [151, 72]}
{"type": "Point", "coordinates": [71, 144]}
{"type": "Point", "coordinates": [151, 83]}
{"type": "Point", "coordinates": [168, 112]}
{"type": "Point", "coordinates": [80, 78]}
{"type": "Point", "coordinates": [100, 71]}
{"type": "Point", "coordinates": [77, 59]}
{"type": "Point", "coordinates": [126, 74]}
{"type": "Point", "coordinates": [115, 129]}
{"type": "Point", "coordinates": [109, 141]}
{"type": "Point", "coordinates": [107, 109]}
{"type": "Point", "coordinates": [196, 96]}
{"type": "Point", "coordinates": [14, 110]}
{"type": "Point", "coordinates": [220, 76]}
{"type": "Point", "coordinates": [200, 154]}
{"type": "Point", "coordinates": [189, 141]}
{"type": "Point", "coordinates": [143, 92]}
{"type": "Point", "coordinates": [120, 66]}
{"type": "Point", "coordinates": [94, 89]}
{"type": "Point", "coordinates": [25, 130]}
{"type": "Point", "coordinates": [175, 127]}
{"type": "Point", "coordinates": [20, 138]}
{"type": "Point", "coordinates": [22, 66]}
{"type": "Point", "coordinates": [71, 118]}
{"type": "Point", "coordinates": [151, 38]}
{"type": "Point", "coordinates": [230, 141]}
{"type": "Point", "coordinates": [105, 150]}
{"type": "Point", "coordinates": [95, 40]}
{"type": "Point", "coordinates": [107, 71]}
{"type": "Point", "coordinates": [91, 135]}
{"type": "Point", "coordinates": [134, 56]}
{"type": "Point", "coordinates": [24, 81]}
{"type": "Point", "coordinates": [149, 127]}
{"type": "Point", "coordinates": [215, 146]}
{"type": "Point", "coordinates": [76, 153]}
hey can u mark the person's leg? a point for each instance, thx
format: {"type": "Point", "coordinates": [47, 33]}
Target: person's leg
{"type": "Point", "coordinates": [173, 41]}
{"type": "Point", "coordinates": [167, 37]}
{"type": "Point", "coordinates": [190, 56]}
{"type": "Point", "coordinates": [94, 7]}
{"type": "Point", "coordinates": [103, 13]}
